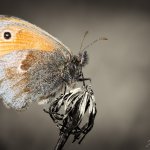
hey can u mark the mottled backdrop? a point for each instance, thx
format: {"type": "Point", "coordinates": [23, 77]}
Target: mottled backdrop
{"type": "Point", "coordinates": [119, 68]}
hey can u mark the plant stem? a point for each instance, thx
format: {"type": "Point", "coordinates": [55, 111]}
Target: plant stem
{"type": "Point", "coordinates": [62, 140]}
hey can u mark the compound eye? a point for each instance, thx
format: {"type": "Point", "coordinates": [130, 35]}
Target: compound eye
{"type": "Point", "coordinates": [7, 35]}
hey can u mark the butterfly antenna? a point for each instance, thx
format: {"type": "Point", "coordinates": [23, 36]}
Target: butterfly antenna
{"type": "Point", "coordinates": [93, 42]}
{"type": "Point", "coordinates": [85, 34]}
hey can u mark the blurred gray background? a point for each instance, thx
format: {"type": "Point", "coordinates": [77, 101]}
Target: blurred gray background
{"type": "Point", "coordinates": [119, 68]}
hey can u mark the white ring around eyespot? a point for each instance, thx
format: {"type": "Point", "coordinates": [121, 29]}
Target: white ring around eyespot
{"type": "Point", "coordinates": [2, 35]}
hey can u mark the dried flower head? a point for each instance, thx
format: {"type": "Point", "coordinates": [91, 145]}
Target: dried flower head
{"type": "Point", "coordinates": [74, 112]}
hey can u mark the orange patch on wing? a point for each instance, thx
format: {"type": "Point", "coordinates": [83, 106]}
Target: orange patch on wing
{"type": "Point", "coordinates": [28, 62]}
{"type": "Point", "coordinates": [26, 39]}
{"type": "Point", "coordinates": [10, 73]}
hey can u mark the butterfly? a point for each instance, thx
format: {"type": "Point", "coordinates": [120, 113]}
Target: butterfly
{"type": "Point", "coordinates": [34, 65]}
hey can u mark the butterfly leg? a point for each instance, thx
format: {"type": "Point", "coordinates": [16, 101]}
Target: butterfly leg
{"type": "Point", "coordinates": [82, 79]}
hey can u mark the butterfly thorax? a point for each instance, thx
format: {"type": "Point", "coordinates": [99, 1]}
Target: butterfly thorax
{"type": "Point", "coordinates": [73, 69]}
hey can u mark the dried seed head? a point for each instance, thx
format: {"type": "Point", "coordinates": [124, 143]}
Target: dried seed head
{"type": "Point", "coordinates": [68, 112]}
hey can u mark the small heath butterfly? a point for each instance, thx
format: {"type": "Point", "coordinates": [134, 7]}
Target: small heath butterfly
{"type": "Point", "coordinates": [34, 65]}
